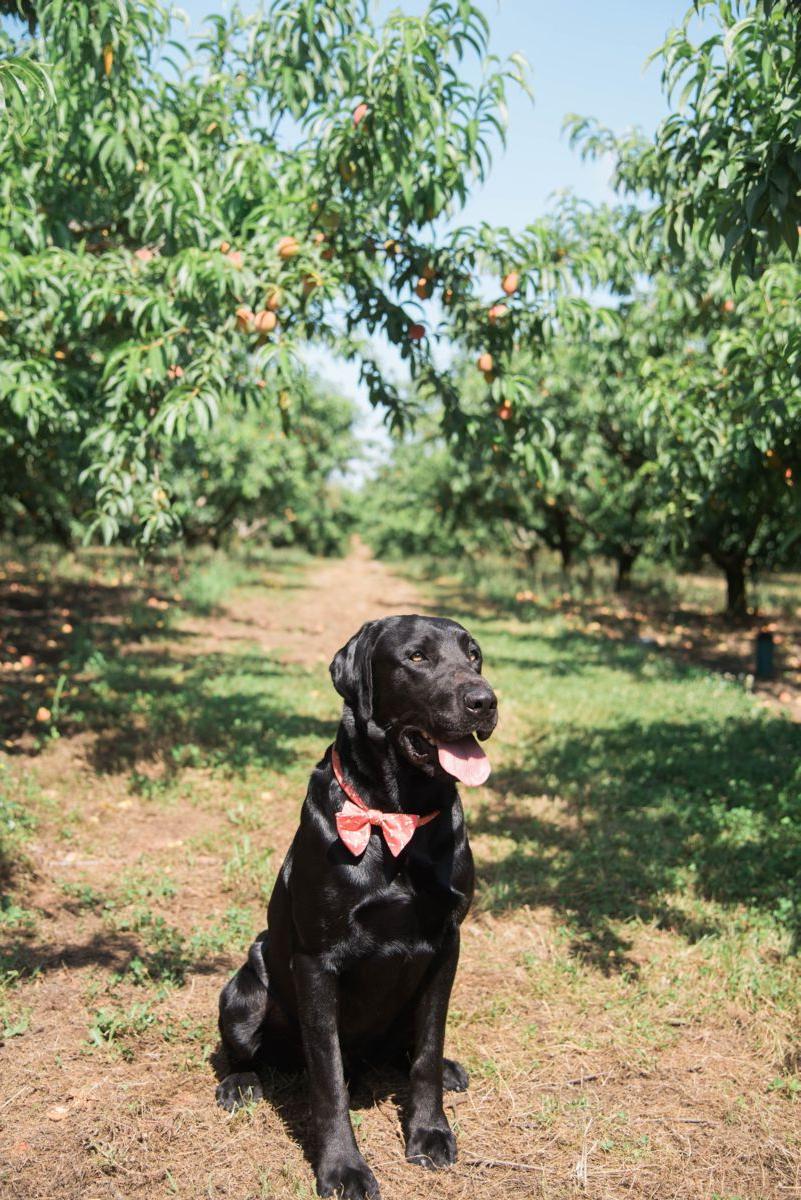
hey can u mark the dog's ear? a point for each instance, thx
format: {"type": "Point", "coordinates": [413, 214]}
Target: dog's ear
{"type": "Point", "coordinates": [352, 671]}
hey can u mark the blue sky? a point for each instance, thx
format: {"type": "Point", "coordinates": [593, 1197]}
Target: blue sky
{"type": "Point", "coordinates": [586, 56]}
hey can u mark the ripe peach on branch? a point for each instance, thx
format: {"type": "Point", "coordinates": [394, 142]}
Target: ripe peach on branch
{"type": "Point", "coordinates": [265, 321]}
{"type": "Point", "coordinates": [288, 247]}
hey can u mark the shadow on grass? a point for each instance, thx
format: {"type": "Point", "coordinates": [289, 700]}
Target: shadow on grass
{"type": "Point", "coordinates": [99, 658]}
{"type": "Point", "coordinates": [229, 711]}
{"type": "Point", "coordinates": [150, 955]}
{"type": "Point", "coordinates": [650, 810]}
{"type": "Point", "coordinates": [287, 1092]}
{"type": "Point", "coordinates": [577, 652]}
{"type": "Point", "coordinates": [50, 628]}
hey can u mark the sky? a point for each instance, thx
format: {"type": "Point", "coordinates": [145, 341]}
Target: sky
{"type": "Point", "coordinates": [585, 57]}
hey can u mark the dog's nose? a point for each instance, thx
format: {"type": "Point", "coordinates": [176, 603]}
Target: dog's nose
{"type": "Point", "coordinates": [480, 700]}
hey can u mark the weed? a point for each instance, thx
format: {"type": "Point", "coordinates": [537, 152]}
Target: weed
{"type": "Point", "coordinates": [13, 1022]}
{"type": "Point", "coordinates": [788, 1085]}
{"type": "Point", "coordinates": [248, 871]}
{"type": "Point", "coordinates": [83, 897]}
{"type": "Point", "coordinates": [117, 1027]}
{"type": "Point", "coordinates": [14, 917]}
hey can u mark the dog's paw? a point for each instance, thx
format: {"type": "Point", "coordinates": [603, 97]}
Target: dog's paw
{"type": "Point", "coordinates": [350, 1179]}
{"type": "Point", "coordinates": [431, 1148]}
{"type": "Point", "coordinates": [454, 1076]}
{"type": "Point", "coordinates": [239, 1089]}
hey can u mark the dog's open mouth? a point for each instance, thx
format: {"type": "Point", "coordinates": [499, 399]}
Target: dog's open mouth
{"type": "Point", "coordinates": [462, 757]}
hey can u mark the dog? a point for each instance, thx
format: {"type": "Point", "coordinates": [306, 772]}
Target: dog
{"type": "Point", "coordinates": [358, 960]}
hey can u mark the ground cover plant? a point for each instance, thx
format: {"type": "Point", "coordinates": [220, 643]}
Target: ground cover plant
{"type": "Point", "coordinates": [629, 994]}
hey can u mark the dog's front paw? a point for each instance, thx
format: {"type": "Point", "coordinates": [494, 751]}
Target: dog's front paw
{"type": "Point", "coordinates": [349, 1178]}
{"type": "Point", "coordinates": [239, 1089]}
{"type": "Point", "coordinates": [431, 1148]}
{"type": "Point", "coordinates": [454, 1076]}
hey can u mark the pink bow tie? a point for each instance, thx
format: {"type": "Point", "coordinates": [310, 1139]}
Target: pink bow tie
{"type": "Point", "coordinates": [355, 819]}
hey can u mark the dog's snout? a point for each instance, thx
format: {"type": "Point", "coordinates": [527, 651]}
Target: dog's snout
{"type": "Point", "coordinates": [480, 700]}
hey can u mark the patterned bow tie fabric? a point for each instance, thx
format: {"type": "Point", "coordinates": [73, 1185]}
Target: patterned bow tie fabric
{"type": "Point", "coordinates": [353, 825]}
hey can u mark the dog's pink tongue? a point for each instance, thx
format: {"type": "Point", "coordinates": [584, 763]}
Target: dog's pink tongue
{"type": "Point", "coordinates": [465, 759]}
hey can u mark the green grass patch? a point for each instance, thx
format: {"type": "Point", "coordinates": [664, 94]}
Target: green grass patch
{"type": "Point", "coordinates": [629, 788]}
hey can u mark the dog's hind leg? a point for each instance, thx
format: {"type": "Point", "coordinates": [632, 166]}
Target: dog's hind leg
{"type": "Point", "coordinates": [454, 1076]}
{"type": "Point", "coordinates": [244, 1005]}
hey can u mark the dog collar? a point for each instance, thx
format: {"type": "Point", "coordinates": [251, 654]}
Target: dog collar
{"type": "Point", "coordinates": [355, 819]}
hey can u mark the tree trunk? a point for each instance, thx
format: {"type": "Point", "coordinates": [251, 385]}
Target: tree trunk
{"type": "Point", "coordinates": [565, 544]}
{"type": "Point", "coordinates": [625, 560]}
{"type": "Point", "coordinates": [736, 606]}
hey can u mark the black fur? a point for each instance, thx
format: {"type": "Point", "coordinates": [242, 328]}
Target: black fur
{"type": "Point", "coordinates": [360, 953]}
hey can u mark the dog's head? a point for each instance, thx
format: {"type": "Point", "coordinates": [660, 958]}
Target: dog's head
{"type": "Point", "coordinates": [419, 680]}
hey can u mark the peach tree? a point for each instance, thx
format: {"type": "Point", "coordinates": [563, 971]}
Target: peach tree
{"type": "Point", "coordinates": [183, 223]}
{"type": "Point", "coordinates": [725, 163]}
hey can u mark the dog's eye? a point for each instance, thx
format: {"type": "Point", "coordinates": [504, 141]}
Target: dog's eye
{"type": "Point", "coordinates": [474, 654]}
{"type": "Point", "coordinates": [417, 656]}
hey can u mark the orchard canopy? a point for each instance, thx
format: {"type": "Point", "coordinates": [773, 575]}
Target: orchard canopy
{"type": "Point", "coordinates": [176, 228]}
{"type": "Point", "coordinates": [183, 220]}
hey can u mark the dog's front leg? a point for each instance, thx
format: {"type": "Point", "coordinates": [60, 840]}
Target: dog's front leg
{"type": "Point", "coordinates": [339, 1167]}
{"type": "Point", "coordinates": [429, 1139]}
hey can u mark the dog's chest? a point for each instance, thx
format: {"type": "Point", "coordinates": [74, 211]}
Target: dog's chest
{"type": "Point", "coordinates": [409, 911]}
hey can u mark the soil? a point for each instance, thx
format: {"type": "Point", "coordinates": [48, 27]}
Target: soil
{"type": "Point", "coordinates": [134, 1116]}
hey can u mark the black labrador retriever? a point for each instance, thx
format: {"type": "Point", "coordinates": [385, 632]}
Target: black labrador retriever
{"type": "Point", "coordinates": [362, 943]}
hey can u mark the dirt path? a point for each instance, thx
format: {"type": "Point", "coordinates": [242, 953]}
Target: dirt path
{"type": "Point", "coordinates": [337, 597]}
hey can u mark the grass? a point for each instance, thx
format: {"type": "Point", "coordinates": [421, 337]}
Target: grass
{"type": "Point", "coordinates": [508, 583]}
{"type": "Point", "coordinates": [629, 996]}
